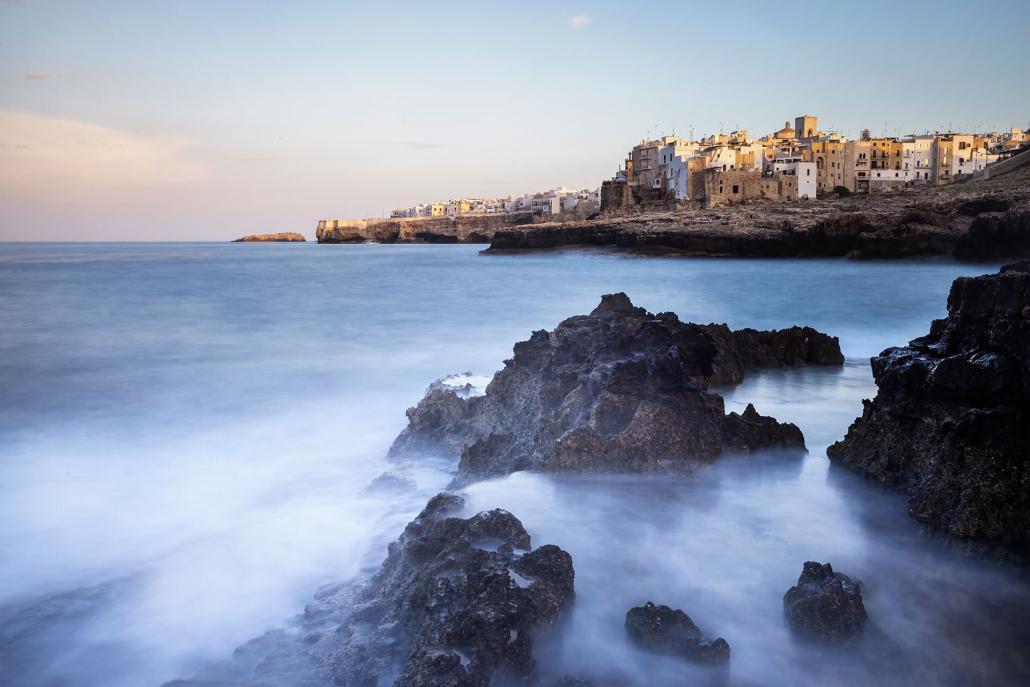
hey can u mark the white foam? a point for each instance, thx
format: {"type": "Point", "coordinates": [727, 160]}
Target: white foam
{"type": "Point", "coordinates": [466, 384]}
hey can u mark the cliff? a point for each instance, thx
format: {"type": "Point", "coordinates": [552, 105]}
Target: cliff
{"type": "Point", "coordinates": [285, 237]}
{"type": "Point", "coordinates": [983, 220]}
{"type": "Point", "coordinates": [460, 229]}
{"type": "Point", "coordinates": [950, 423]}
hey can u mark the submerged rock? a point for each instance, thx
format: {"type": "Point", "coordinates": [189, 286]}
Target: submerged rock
{"type": "Point", "coordinates": [619, 390]}
{"type": "Point", "coordinates": [950, 423]}
{"type": "Point", "coordinates": [661, 628]}
{"type": "Point", "coordinates": [454, 603]}
{"type": "Point", "coordinates": [825, 604]}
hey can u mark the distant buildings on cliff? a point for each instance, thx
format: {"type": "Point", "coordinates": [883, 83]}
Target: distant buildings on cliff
{"type": "Point", "coordinates": [558, 201]}
{"type": "Point", "coordinates": [795, 162]}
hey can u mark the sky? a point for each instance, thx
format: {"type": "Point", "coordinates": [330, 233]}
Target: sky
{"type": "Point", "coordinates": [209, 120]}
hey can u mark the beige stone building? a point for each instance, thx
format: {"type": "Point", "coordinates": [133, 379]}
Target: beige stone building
{"type": "Point", "coordinates": [829, 158]}
{"type": "Point", "coordinates": [806, 127]}
{"type": "Point", "coordinates": [732, 187]}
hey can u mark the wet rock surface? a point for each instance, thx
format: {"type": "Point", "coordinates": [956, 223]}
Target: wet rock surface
{"type": "Point", "coordinates": [454, 603]}
{"type": "Point", "coordinates": [618, 390]}
{"type": "Point", "coordinates": [950, 422]}
{"type": "Point", "coordinates": [825, 604]}
{"type": "Point", "coordinates": [660, 628]}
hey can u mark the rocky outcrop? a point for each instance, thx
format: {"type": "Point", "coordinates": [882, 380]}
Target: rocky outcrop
{"type": "Point", "coordinates": [282, 237]}
{"type": "Point", "coordinates": [743, 349]}
{"type": "Point", "coordinates": [825, 604]}
{"type": "Point", "coordinates": [456, 229]}
{"type": "Point", "coordinates": [618, 390]}
{"type": "Point", "coordinates": [996, 235]}
{"type": "Point", "coordinates": [950, 423]}
{"type": "Point", "coordinates": [662, 629]}
{"type": "Point", "coordinates": [455, 603]}
{"type": "Point", "coordinates": [979, 220]}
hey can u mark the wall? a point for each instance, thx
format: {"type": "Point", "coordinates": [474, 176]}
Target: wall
{"type": "Point", "coordinates": [733, 187]}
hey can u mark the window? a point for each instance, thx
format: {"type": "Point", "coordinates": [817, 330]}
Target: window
{"type": "Point", "coordinates": [736, 189]}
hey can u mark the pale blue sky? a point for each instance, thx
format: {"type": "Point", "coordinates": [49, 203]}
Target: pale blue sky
{"type": "Point", "coordinates": [194, 120]}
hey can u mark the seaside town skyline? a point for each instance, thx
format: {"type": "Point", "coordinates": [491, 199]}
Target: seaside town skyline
{"type": "Point", "coordinates": [796, 162]}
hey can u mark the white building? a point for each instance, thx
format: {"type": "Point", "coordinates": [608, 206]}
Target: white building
{"type": "Point", "coordinates": [804, 171]}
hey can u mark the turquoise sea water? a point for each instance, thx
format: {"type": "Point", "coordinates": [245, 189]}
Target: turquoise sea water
{"type": "Point", "coordinates": [186, 431]}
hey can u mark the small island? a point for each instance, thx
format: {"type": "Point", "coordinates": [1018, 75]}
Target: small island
{"type": "Point", "coordinates": [281, 237]}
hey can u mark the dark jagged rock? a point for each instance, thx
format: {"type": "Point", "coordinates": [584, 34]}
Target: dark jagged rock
{"type": "Point", "coordinates": [825, 604]}
{"type": "Point", "coordinates": [743, 349]}
{"type": "Point", "coordinates": [663, 629]}
{"type": "Point", "coordinates": [454, 603]}
{"type": "Point", "coordinates": [749, 432]}
{"type": "Point", "coordinates": [996, 235]}
{"type": "Point", "coordinates": [951, 419]}
{"type": "Point", "coordinates": [618, 390]}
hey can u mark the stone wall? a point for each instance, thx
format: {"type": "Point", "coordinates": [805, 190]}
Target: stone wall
{"type": "Point", "coordinates": [738, 186]}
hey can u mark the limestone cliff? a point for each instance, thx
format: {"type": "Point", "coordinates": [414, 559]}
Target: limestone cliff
{"type": "Point", "coordinates": [460, 229]}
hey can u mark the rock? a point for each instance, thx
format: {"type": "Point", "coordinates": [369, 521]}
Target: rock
{"type": "Point", "coordinates": [743, 349]}
{"type": "Point", "coordinates": [618, 390]}
{"type": "Point", "coordinates": [455, 603]}
{"type": "Point", "coordinates": [663, 629]}
{"type": "Point", "coordinates": [996, 235]}
{"type": "Point", "coordinates": [915, 222]}
{"type": "Point", "coordinates": [749, 432]}
{"type": "Point", "coordinates": [950, 423]}
{"type": "Point", "coordinates": [389, 484]}
{"type": "Point", "coordinates": [286, 236]}
{"type": "Point", "coordinates": [825, 604]}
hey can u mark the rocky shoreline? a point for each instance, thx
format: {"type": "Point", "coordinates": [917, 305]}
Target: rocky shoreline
{"type": "Point", "coordinates": [461, 596]}
{"type": "Point", "coordinates": [978, 220]}
{"type": "Point", "coordinates": [950, 423]}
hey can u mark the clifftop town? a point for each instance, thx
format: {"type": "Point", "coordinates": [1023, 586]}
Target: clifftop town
{"type": "Point", "coordinates": [717, 196]}
{"type": "Point", "coordinates": [793, 163]}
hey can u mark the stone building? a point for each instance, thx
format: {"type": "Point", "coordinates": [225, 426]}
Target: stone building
{"type": "Point", "coordinates": [739, 186]}
{"type": "Point", "coordinates": [806, 127]}
{"type": "Point", "coordinates": [829, 158]}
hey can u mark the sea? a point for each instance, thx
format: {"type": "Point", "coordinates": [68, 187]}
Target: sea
{"type": "Point", "coordinates": [187, 431]}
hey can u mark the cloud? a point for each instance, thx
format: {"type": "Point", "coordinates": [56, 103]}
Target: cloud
{"type": "Point", "coordinates": [34, 76]}
{"type": "Point", "coordinates": [54, 158]}
{"type": "Point", "coordinates": [579, 21]}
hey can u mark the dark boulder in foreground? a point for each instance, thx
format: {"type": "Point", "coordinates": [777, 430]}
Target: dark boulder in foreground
{"type": "Point", "coordinates": [454, 603]}
{"type": "Point", "coordinates": [618, 390]}
{"type": "Point", "coordinates": [825, 604]}
{"type": "Point", "coordinates": [663, 629]}
{"type": "Point", "coordinates": [951, 419]}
